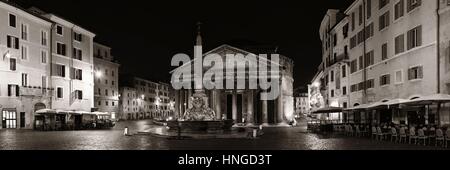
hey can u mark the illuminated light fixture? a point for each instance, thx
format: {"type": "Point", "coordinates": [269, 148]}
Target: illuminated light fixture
{"type": "Point", "coordinates": [98, 74]}
{"type": "Point", "coordinates": [316, 84]}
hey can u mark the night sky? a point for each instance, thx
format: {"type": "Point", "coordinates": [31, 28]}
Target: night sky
{"type": "Point", "coordinates": [145, 34]}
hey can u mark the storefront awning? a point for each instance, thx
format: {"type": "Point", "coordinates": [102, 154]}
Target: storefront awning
{"type": "Point", "coordinates": [435, 98]}
{"type": "Point", "coordinates": [360, 107]}
{"type": "Point", "coordinates": [328, 110]}
{"type": "Point", "coordinates": [46, 111]}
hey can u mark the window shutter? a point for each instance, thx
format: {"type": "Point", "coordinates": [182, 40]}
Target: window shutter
{"type": "Point", "coordinates": [9, 90]}
{"type": "Point", "coordinates": [420, 72]}
{"type": "Point", "coordinates": [388, 81]}
{"type": "Point", "coordinates": [17, 90]}
{"type": "Point", "coordinates": [16, 43]}
{"type": "Point", "coordinates": [419, 34]}
{"type": "Point", "coordinates": [410, 74]}
{"type": "Point", "coordinates": [9, 41]}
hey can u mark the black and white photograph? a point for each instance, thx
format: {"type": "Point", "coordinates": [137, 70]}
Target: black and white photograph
{"type": "Point", "coordinates": [197, 75]}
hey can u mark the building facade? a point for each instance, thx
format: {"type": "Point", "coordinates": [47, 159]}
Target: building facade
{"type": "Point", "coordinates": [144, 99]}
{"type": "Point", "coordinates": [302, 104]}
{"type": "Point", "coordinates": [106, 82]}
{"type": "Point", "coordinates": [243, 105]}
{"type": "Point", "coordinates": [24, 66]}
{"type": "Point", "coordinates": [386, 50]}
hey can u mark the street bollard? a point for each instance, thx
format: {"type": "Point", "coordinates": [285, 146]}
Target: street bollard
{"type": "Point", "coordinates": [125, 131]}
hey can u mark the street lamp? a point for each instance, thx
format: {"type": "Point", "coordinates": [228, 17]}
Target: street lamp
{"type": "Point", "coordinates": [98, 74]}
{"type": "Point", "coordinates": [316, 84]}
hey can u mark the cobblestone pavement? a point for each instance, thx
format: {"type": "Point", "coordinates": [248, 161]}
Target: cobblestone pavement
{"type": "Point", "coordinates": [274, 139]}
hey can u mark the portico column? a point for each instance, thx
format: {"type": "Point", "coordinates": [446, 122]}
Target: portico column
{"type": "Point", "coordinates": [177, 103]}
{"type": "Point", "coordinates": [217, 103]}
{"type": "Point", "coordinates": [235, 107]}
{"type": "Point", "coordinates": [280, 112]}
{"type": "Point", "coordinates": [265, 113]}
{"type": "Point", "coordinates": [250, 119]}
{"type": "Point", "coordinates": [189, 104]}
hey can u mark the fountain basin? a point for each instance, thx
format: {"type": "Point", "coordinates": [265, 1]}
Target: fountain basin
{"type": "Point", "coordinates": [200, 126]}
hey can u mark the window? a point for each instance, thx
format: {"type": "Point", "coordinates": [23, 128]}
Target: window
{"type": "Point", "coordinates": [12, 20]}
{"type": "Point", "coordinates": [24, 53]}
{"type": "Point", "coordinates": [414, 38]}
{"type": "Point", "coordinates": [369, 8]}
{"type": "Point", "coordinates": [12, 42]}
{"type": "Point", "coordinates": [113, 103]}
{"type": "Point", "coordinates": [24, 79]}
{"type": "Point", "coordinates": [12, 64]}
{"type": "Point", "coordinates": [384, 51]}
{"type": "Point", "coordinates": [354, 88]}
{"type": "Point", "coordinates": [360, 36]}
{"type": "Point", "coordinates": [384, 21]}
{"type": "Point", "coordinates": [361, 18]}
{"type": "Point", "coordinates": [60, 70]}
{"type": "Point", "coordinates": [99, 103]}
{"type": "Point", "coordinates": [77, 37]}
{"type": "Point", "coordinates": [106, 82]}
{"type": "Point", "coordinates": [59, 93]}
{"type": "Point", "coordinates": [399, 44]}
{"type": "Point", "coordinates": [361, 62]}
{"type": "Point", "coordinates": [412, 4]}
{"type": "Point", "coordinates": [398, 77]}
{"type": "Point", "coordinates": [385, 80]}
{"type": "Point", "coordinates": [344, 71]}
{"type": "Point", "coordinates": [344, 90]}
{"type": "Point", "coordinates": [353, 21]}
{"type": "Point", "coordinates": [353, 42]}
{"type": "Point", "coordinates": [415, 73]}
{"type": "Point", "coordinates": [112, 73]}
{"type": "Point", "coordinates": [78, 94]}
{"type": "Point", "coordinates": [332, 93]}
{"type": "Point", "coordinates": [369, 59]}
{"type": "Point", "coordinates": [113, 83]}
{"type": "Point", "coordinates": [44, 38]}
{"type": "Point", "coordinates": [24, 29]}
{"type": "Point", "coordinates": [399, 9]}
{"type": "Point", "coordinates": [383, 3]}
{"type": "Point", "coordinates": [334, 40]}
{"type": "Point", "coordinates": [59, 30]}
{"type": "Point", "coordinates": [361, 86]}
{"type": "Point", "coordinates": [345, 31]}
{"type": "Point", "coordinates": [332, 76]}
{"type": "Point", "coordinates": [106, 92]}
{"type": "Point", "coordinates": [77, 54]}
{"type": "Point", "coordinates": [61, 49]}
{"type": "Point", "coordinates": [44, 57]}
{"type": "Point", "coordinates": [106, 103]}
{"type": "Point", "coordinates": [370, 83]}
{"type": "Point", "coordinates": [13, 90]}
{"type": "Point", "coordinates": [77, 74]}
{"type": "Point", "coordinates": [369, 31]}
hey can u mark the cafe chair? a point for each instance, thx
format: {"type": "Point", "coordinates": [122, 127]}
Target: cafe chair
{"type": "Point", "coordinates": [421, 137]}
{"type": "Point", "coordinates": [358, 132]}
{"type": "Point", "coordinates": [374, 132]}
{"type": "Point", "coordinates": [380, 134]}
{"type": "Point", "coordinates": [447, 137]}
{"type": "Point", "coordinates": [439, 137]}
{"type": "Point", "coordinates": [402, 134]}
{"type": "Point", "coordinates": [394, 134]}
{"type": "Point", "coordinates": [431, 134]}
{"type": "Point", "coordinates": [412, 135]}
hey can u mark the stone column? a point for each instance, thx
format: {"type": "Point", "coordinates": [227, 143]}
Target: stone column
{"type": "Point", "coordinates": [280, 112]}
{"type": "Point", "coordinates": [177, 103]}
{"type": "Point", "coordinates": [250, 114]}
{"type": "Point", "coordinates": [235, 107]}
{"type": "Point", "coordinates": [217, 103]}
{"type": "Point", "coordinates": [189, 95]}
{"type": "Point", "coordinates": [265, 113]}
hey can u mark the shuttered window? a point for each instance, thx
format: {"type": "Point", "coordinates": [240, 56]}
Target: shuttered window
{"type": "Point", "coordinates": [415, 73]}
{"type": "Point", "coordinates": [414, 38]}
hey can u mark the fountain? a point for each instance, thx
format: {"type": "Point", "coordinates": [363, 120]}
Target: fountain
{"type": "Point", "coordinates": [200, 118]}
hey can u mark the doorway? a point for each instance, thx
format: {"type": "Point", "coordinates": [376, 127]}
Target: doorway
{"type": "Point", "coordinates": [22, 120]}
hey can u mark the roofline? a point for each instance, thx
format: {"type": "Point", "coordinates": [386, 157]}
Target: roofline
{"type": "Point", "coordinates": [102, 45]}
{"type": "Point", "coordinates": [26, 12]}
{"type": "Point", "coordinates": [67, 23]}
{"type": "Point", "coordinates": [351, 6]}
